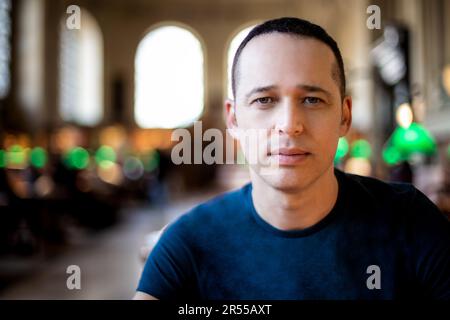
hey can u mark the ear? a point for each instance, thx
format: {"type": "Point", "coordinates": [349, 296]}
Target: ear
{"type": "Point", "coordinates": [230, 109]}
{"type": "Point", "coordinates": [346, 116]}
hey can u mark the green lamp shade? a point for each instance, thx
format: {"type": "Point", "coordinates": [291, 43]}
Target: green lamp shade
{"type": "Point", "coordinates": [2, 158]}
{"type": "Point", "coordinates": [342, 150]}
{"type": "Point", "coordinates": [414, 139]}
{"type": "Point", "coordinates": [361, 149]}
{"type": "Point", "coordinates": [404, 142]}
{"type": "Point", "coordinates": [392, 156]}
{"type": "Point", "coordinates": [16, 155]}
{"type": "Point", "coordinates": [77, 158]}
{"type": "Point", "coordinates": [105, 157]}
{"type": "Point", "coordinates": [38, 157]}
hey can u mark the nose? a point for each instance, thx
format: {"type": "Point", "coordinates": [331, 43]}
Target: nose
{"type": "Point", "coordinates": [289, 120]}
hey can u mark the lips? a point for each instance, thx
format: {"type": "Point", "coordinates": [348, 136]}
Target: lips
{"type": "Point", "coordinates": [289, 156]}
{"type": "Point", "coordinates": [289, 152]}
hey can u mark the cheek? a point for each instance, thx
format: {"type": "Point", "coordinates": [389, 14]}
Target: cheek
{"type": "Point", "coordinates": [326, 121]}
{"type": "Point", "coordinates": [254, 119]}
{"type": "Point", "coordinates": [325, 131]}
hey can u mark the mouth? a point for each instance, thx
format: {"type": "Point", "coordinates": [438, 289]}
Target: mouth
{"type": "Point", "coordinates": [289, 156]}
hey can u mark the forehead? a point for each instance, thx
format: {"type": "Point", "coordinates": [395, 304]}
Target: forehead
{"type": "Point", "coordinates": [283, 59]}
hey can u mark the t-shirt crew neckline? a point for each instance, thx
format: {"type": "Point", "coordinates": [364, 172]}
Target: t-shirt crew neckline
{"type": "Point", "coordinates": [303, 232]}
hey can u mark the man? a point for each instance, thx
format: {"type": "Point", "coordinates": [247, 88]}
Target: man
{"type": "Point", "coordinates": [305, 230]}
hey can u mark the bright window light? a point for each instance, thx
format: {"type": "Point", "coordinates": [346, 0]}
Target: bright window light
{"type": "Point", "coordinates": [81, 71]}
{"type": "Point", "coordinates": [168, 79]}
{"type": "Point", "coordinates": [5, 48]}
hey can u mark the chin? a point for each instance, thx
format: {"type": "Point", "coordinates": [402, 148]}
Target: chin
{"type": "Point", "coordinates": [288, 179]}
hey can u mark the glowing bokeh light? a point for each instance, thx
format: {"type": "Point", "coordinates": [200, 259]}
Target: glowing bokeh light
{"type": "Point", "coordinates": [3, 158]}
{"type": "Point", "coordinates": [38, 157]}
{"type": "Point", "coordinates": [361, 149]}
{"type": "Point", "coordinates": [152, 161]}
{"type": "Point", "coordinates": [414, 139]}
{"type": "Point", "coordinates": [105, 156]}
{"type": "Point", "coordinates": [77, 158]}
{"type": "Point", "coordinates": [404, 115]}
{"type": "Point", "coordinates": [133, 168]}
{"type": "Point", "coordinates": [16, 155]}
{"type": "Point", "coordinates": [342, 149]}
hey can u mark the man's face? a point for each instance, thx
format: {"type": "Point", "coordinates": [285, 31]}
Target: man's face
{"type": "Point", "coordinates": [285, 87]}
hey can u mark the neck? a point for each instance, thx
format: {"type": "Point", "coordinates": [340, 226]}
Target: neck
{"type": "Point", "coordinates": [287, 210]}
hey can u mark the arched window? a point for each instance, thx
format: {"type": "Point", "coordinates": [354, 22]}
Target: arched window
{"type": "Point", "coordinates": [81, 72]}
{"type": "Point", "coordinates": [168, 79]}
{"type": "Point", "coordinates": [232, 48]}
{"type": "Point", "coordinates": [30, 55]}
{"type": "Point", "coordinates": [5, 46]}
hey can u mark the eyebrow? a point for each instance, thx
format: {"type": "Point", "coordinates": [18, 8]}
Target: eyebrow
{"type": "Point", "coordinates": [258, 90]}
{"type": "Point", "coordinates": [306, 87]}
{"type": "Point", "coordinates": [311, 88]}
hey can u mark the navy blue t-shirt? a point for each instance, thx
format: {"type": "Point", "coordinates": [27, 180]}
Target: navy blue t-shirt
{"type": "Point", "coordinates": [380, 241]}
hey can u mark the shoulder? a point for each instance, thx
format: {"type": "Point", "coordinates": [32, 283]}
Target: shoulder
{"type": "Point", "coordinates": [378, 190]}
{"type": "Point", "coordinates": [399, 202]}
{"type": "Point", "coordinates": [374, 193]}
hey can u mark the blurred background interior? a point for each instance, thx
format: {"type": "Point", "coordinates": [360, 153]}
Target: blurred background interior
{"type": "Point", "coordinates": [86, 117]}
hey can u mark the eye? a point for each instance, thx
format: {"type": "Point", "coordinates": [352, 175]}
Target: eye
{"type": "Point", "coordinates": [264, 100]}
{"type": "Point", "coordinates": [312, 100]}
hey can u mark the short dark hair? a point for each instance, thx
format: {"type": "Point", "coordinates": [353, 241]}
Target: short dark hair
{"type": "Point", "coordinates": [298, 27]}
